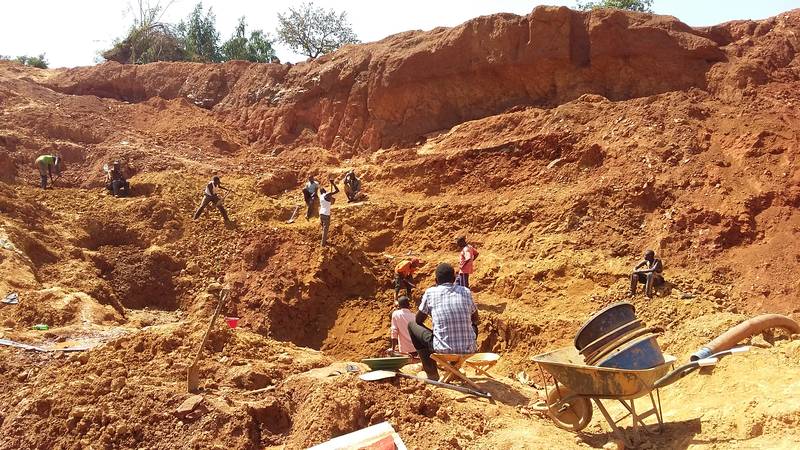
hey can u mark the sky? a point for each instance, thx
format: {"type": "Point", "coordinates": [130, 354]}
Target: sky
{"type": "Point", "coordinates": [72, 32]}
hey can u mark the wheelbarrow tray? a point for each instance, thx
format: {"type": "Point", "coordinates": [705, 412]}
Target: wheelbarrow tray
{"type": "Point", "coordinates": [567, 367]}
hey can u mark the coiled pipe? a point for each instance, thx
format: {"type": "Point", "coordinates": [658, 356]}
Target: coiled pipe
{"type": "Point", "coordinates": [744, 330]}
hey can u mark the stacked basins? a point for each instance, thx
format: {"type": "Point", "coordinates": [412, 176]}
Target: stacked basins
{"type": "Point", "coordinates": [615, 338]}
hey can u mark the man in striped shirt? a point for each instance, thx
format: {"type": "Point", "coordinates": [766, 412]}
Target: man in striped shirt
{"type": "Point", "coordinates": [454, 316]}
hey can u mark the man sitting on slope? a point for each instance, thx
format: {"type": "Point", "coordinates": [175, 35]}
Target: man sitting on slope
{"type": "Point", "coordinates": [454, 316]}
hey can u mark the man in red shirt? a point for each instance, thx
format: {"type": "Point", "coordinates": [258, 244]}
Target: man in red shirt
{"type": "Point", "coordinates": [466, 263]}
{"type": "Point", "coordinates": [403, 275]}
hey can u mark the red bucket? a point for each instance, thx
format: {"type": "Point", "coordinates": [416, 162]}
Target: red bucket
{"type": "Point", "coordinates": [232, 321]}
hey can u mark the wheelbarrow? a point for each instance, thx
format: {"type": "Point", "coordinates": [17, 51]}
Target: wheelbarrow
{"type": "Point", "coordinates": [575, 385]}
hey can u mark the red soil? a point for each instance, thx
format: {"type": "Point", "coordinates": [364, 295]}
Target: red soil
{"type": "Point", "coordinates": [561, 143]}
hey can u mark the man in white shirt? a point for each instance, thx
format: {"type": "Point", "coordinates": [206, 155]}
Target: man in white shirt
{"type": "Point", "coordinates": [401, 317]}
{"type": "Point", "coordinates": [326, 199]}
{"type": "Point", "coordinates": [210, 197]}
{"type": "Point", "coordinates": [310, 195]}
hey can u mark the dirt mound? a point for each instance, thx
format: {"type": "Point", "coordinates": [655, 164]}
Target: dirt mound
{"type": "Point", "coordinates": [562, 144]}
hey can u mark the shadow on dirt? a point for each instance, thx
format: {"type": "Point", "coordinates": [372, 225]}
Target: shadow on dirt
{"type": "Point", "coordinates": [503, 393]}
{"type": "Point", "coordinates": [674, 435]}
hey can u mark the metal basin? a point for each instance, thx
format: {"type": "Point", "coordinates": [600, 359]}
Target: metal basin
{"type": "Point", "coordinates": [641, 353]}
{"type": "Point", "coordinates": [606, 320]}
{"type": "Point", "coordinates": [593, 347]}
{"type": "Point", "coordinates": [389, 363]}
{"type": "Point", "coordinates": [616, 344]}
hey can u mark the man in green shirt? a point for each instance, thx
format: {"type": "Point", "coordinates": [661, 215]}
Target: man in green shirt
{"type": "Point", "coordinates": [47, 164]}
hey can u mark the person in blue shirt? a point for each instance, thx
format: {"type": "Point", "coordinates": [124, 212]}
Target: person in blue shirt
{"type": "Point", "coordinates": [455, 321]}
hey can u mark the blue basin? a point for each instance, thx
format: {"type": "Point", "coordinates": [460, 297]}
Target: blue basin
{"type": "Point", "coordinates": [641, 353]}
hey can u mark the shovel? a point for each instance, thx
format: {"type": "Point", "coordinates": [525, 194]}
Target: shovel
{"type": "Point", "coordinates": [291, 220]}
{"type": "Point", "coordinates": [192, 374]}
{"type": "Point", "coordinates": [376, 375]}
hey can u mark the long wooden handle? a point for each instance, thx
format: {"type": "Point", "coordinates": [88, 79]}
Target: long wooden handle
{"type": "Point", "coordinates": [210, 326]}
{"type": "Point", "coordinates": [294, 213]}
{"type": "Point", "coordinates": [454, 387]}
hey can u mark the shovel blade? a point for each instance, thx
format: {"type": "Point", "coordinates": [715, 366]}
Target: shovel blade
{"type": "Point", "coordinates": [376, 375]}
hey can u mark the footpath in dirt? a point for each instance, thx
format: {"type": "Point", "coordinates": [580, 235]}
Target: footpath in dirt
{"type": "Point", "coordinates": [562, 144]}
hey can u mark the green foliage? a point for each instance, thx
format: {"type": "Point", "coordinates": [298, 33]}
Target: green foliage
{"type": "Point", "coordinates": [258, 48]}
{"type": "Point", "coordinates": [200, 36]}
{"type": "Point", "coordinates": [631, 5]}
{"type": "Point", "coordinates": [314, 31]}
{"type": "Point", "coordinates": [194, 39]}
{"type": "Point", "coordinates": [32, 61]}
{"type": "Point", "coordinates": [148, 39]}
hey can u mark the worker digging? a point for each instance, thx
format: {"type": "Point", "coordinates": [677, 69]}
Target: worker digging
{"type": "Point", "coordinates": [210, 197]}
{"type": "Point", "coordinates": [404, 275]}
{"type": "Point", "coordinates": [116, 183]}
{"type": "Point", "coordinates": [46, 165]}
{"type": "Point", "coordinates": [326, 201]}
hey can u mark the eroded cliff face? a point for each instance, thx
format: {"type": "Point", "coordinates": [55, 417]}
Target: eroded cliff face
{"type": "Point", "coordinates": [390, 92]}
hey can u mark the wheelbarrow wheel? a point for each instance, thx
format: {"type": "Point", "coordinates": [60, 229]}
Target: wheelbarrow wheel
{"type": "Point", "coordinates": [572, 415]}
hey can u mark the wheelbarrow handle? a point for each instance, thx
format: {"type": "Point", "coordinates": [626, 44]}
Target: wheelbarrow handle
{"type": "Point", "coordinates": [688, 368]}
{"type": "Point", "coordinates": [676, 375]}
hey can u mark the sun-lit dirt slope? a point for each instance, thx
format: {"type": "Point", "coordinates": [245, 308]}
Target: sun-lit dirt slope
{"type": "Point", "coordinates": [562, 144]}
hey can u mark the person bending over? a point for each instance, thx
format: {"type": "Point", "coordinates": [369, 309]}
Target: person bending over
{"type": "Point", "coordinates": [116, 182]}
{"type": "Point", "coordinates": [47, 164]}
{"type": "Point", "coordinates": [404, 275]}
{"type": "Point", "coordinates": [352, 185]}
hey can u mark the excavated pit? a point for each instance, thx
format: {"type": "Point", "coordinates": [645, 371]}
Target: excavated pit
{"type": "Point", "coordinates": [280, 296]}
{"type": "Point", "coordinates": [140, 278]}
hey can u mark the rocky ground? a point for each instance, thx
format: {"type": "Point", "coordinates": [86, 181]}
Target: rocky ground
{"type": "Point", "coordinates": [561, 143]}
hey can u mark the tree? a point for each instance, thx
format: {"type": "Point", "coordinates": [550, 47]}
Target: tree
{"type": "Point", "coordinates": [148, 38]}
{"type": "Point", "coordinates": [195, 39]}
{"type": "Point", "coordinates": [32, 61]}
{"type": "Point", "coordinates": [258, 48]}
{"type": "Point", "coordinates": [314, 31]}
{"type": "Point", "coordinates": [631, 5]}
{"type": "Point", "coordinates": [200, 36]}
